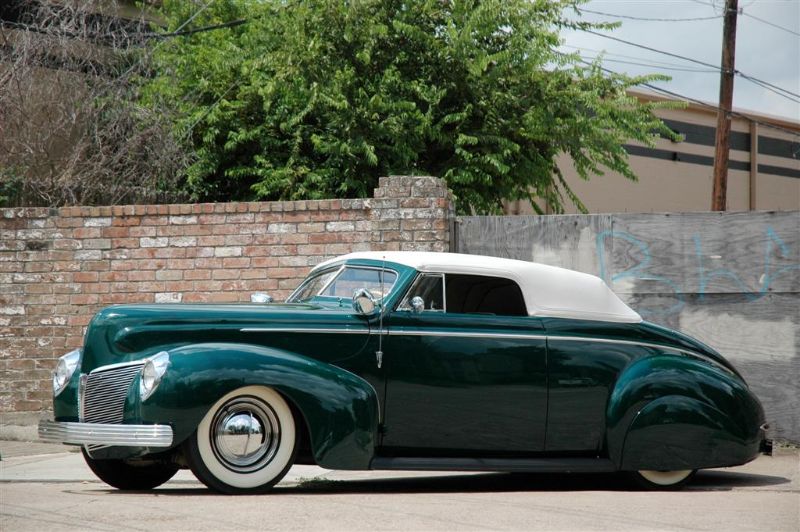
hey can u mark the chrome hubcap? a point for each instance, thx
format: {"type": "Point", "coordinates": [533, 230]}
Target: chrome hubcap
{"type": "Point", "coordinates": [246, 434]}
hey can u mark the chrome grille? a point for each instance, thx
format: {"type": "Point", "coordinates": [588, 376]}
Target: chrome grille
{"type": "Point", "coordinates": [103, 397]}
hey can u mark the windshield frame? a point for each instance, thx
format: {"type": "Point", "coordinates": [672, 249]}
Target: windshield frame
{"type": "Point", "coordinates": [337, 272]}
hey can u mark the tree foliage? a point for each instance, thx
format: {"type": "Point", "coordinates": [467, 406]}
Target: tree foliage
{"type": "Point", "coordinates": [316, 99]}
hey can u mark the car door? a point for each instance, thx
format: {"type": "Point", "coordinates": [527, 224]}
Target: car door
{"type": "Point", "coordinates": [467, 378]}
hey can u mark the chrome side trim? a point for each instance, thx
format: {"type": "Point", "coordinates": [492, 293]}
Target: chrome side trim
{"type": "Point", "coordinates": [297, 330]}
{"type": "Point", "coordinates": [103, 434]}
{"type": "Point", "coordinates": [400, 332]}
{"type": "Point", "coordinates": [395, 332]}
{"type": "Point", "coordinates": [623, 342]}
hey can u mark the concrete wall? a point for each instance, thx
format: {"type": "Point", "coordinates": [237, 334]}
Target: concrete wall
{"type": "Point", "coordinates": [731, 280]}
{"type": "Point", "coordinates": [59, 266]}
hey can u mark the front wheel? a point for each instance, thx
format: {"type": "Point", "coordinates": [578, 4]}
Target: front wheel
{"type": "Point", "coordinates": [130, 476]}
{"type": "Point", "coordinates": [662, 480]}
{"type": "Point", "coordinates": [245, 443]}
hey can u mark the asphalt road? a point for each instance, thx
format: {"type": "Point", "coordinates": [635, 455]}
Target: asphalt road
{"type": "Point", "coordinates": [56, 491]}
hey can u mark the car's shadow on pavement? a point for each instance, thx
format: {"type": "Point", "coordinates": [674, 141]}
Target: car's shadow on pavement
{"type": "Point", "coordinates": [491, 482]}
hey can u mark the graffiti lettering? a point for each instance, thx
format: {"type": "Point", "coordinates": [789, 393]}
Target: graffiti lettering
{"type": "Point", "coordinates": [641, 270]}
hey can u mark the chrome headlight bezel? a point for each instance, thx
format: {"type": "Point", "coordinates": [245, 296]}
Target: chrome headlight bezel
{"type": "Point", "coordinates": [152, 372]}
{"type": "Point", "coordinates": [65, 368]}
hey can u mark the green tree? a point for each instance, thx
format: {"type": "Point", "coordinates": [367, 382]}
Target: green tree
{"type": "Point", "coordinates": [315, 99]}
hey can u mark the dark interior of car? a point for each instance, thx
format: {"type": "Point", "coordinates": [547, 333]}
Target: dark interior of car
{"type": "Point", "coordinates": [474, 294]}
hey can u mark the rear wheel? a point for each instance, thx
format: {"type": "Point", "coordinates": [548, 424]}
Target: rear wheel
{"type": "Point", "coordinates": [662, 480]}
{"type": "Point", "coordinates": [246, 442]}
{"type": "Point", "coordinates": [125, 475]}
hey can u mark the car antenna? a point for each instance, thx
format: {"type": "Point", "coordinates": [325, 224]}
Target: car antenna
{"type": "Point", "coordinates": [379, 352]}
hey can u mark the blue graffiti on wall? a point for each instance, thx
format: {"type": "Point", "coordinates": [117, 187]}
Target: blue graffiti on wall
{"type": "Point", "coordinates": [640, 271]}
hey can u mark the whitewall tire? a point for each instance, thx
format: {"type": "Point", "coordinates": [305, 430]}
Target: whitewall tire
{"type": "Point", "coordinates": [245, 443]}
{"type": "Point", "coordinates": [651, 479]}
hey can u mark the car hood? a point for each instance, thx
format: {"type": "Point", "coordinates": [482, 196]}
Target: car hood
{"type": "Point", "coordinates": [129, 332]}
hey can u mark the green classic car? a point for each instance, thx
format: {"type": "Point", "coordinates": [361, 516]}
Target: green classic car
{"type": "Point", "coordinates": [401, 361]}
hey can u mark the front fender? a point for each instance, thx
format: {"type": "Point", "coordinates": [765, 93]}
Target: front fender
{"type": "Point", "coordinates": [340, 408]}
{"type": "Point", "coordinates": [672, 412]}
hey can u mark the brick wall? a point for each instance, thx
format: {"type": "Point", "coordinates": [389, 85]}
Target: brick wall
{"type": "Point", "coordinates": [59, 266]}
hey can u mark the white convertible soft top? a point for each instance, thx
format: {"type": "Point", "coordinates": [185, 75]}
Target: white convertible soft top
{"type": "Point", "coordinates": [548, 290]}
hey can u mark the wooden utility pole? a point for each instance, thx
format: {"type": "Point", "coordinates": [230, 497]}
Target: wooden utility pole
{"type": "Point", "coordinates": [722, 144]}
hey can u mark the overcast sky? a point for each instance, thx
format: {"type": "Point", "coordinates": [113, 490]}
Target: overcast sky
{"type": "Point", "coordinates": [762, 51]}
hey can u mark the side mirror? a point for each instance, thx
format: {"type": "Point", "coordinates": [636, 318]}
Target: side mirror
{"type": "Point", "coordinates": [363, 302]}
{"type": "Point", "coordinates": [260, 297]}
{"type": "Point", "coordinates": [417, 304]}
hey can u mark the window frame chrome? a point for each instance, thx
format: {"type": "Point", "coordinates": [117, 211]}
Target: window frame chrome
{"type": "Point", "coordinates": [417, 280]}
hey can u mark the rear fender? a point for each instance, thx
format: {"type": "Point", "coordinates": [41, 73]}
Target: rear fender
{"type": "Point", "coordinates": [339, 408]}
{"type": "Point", "coordinates": [672, 412]}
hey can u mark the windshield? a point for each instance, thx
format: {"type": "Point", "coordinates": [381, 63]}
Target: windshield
{"type": "Point", "coordinates": [342, 282]}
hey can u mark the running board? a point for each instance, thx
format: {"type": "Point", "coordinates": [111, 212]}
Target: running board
{"type": "Point", "coordinates": [508, 465]}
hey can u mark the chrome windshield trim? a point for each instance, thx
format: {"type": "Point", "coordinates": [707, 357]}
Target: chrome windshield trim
{"type": "Point", "coordinates": [332, 279]}
{"type": "Point", "coordinates": [336, 271]}
{"type": "Point", "coordinates": [300, 330]}
{"type": "Point", "coordinates": [105, 434]}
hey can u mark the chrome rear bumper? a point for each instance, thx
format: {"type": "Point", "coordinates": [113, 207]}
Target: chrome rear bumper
{"type": "Point", "coordinates": [105, 434]}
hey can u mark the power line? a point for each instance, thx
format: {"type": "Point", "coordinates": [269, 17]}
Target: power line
{"type": "Point", "coordinates": [642, 46]}
{"type": "Point", "coordinates": [769, 88]}
{"type": "Point", "coordinates": [710, 4]}
{"type": "Point", "coordinates": [767, 22]}
{"type": "Point", "coordinates": [778, 90]}
{"type": "Point", "coordinates": [698, 102]}
{"type": "Point", "coordinates": [769, 85]}
{"type": "Point", "coordinates": [653, 62]}
{"type": "Point", "coordinates": [648, 19]}
{"type": "Point", "coordinates": [661, 67]}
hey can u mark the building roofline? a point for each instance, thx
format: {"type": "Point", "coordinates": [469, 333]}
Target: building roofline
{"type": "Point", "coordinates": [712, 110]}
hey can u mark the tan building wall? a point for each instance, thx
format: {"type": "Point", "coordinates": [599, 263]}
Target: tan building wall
{"type": "Point", "coordinates": [677, 176]}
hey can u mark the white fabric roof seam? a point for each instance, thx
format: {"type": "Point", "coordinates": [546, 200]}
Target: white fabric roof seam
{"type": "Point", "coordinates": [549, 291]}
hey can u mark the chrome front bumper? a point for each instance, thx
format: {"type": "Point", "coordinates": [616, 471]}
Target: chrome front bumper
{"type": "Point", "coordinates": [105, 434]}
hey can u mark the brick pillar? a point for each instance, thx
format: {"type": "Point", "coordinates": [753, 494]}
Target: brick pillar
{"type": "Point", "coordinates": [411, 213]}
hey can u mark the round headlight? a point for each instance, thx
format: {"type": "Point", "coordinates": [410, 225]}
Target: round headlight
{"type": "Point", "coordinates": [64, 370]}
{"type": "Point", "coordinates": [154, 368]}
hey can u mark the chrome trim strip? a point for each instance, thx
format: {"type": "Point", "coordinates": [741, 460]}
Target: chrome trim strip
{"type": "Point", "coordinates": [395, 332]}
{"type": "Point", "coordinates": [332, 279]}
{"type": "Point", "coordinates": [400, 332]}
{"type": "Point", "coordinates": [624, 342]}
{"type": "Point", "coordinates": [102, 434]}
{"type": "Point", "coordinates": [418, 279]}
{"type": "Point", "coordinates": [336, 275]}
{"type": "Point", "coordinates": [297, 330]}
{"type": "Point", "coordinates": [335, 271]}
{"type": "Point", "coordinates": [139, 362]}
